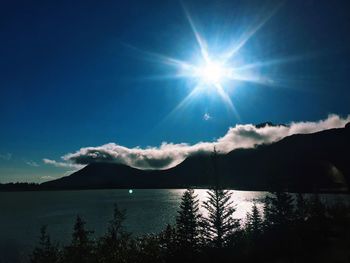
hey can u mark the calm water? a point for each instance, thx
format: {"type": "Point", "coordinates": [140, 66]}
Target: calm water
{"type": "Point", "coordinates": [22, 213]}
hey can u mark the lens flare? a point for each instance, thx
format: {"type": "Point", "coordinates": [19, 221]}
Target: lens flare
{"type": "Point", "coordinates": [217, 70]}
{"type": "Point", "coordinates": [212, 72]}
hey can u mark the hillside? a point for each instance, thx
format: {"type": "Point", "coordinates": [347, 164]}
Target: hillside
{"type": "Point", "coordinates": [302, 162]}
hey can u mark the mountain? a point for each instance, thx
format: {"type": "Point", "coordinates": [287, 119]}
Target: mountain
{"type": "Point", "coordinates": [302, 162]}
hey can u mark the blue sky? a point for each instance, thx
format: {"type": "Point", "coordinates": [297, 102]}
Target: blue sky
{"type": "Point", "coordinates": [78, 74]}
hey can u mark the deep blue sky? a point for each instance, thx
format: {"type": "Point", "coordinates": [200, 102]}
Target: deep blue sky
{"type": "Point", "coordinates": [69, 78]}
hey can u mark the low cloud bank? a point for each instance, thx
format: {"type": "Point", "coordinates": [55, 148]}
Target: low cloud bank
{"type": "Point", "coordinates": [62, 164]}
{"type": "Point", "coordinates": [168, 155]}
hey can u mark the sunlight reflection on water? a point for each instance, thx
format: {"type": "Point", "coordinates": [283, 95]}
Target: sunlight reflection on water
{"type": "Point", "coordinates": [242, 201]}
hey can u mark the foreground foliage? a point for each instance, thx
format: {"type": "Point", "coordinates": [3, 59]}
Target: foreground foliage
{"type": "Point", "coordinates": [284, 228]}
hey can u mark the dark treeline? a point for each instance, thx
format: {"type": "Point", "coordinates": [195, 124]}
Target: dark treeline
{"type": "Point", "coordinates": [287, 228]}
{"type": "Point", "coordinates": [19, 187]}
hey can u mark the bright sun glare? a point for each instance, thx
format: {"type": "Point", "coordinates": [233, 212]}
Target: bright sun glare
{"type": "Point", "coordinates": [218, 72]}
{"type": "Point", "coordinates": [212, 72]}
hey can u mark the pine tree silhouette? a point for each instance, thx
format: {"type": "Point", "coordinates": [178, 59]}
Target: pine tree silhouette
{"type": "Point", "coordinates": [301, 212]}
{"type": "Point", "coordinates": [45, 252]}
{"type": "Point", "coordinates": [220, 224]}
{"type": "Point", "coordinates": [317, 209]}
{"type": "Point", "coordinates": [267, 212]}
{"type": "Point", "coordinates": [81, 248]}
{"type": "Point", "coordinates": [187, 220]}
{"type": "Point", "coordinates": [148, 249]}
{"type": "Point", "coordinates": [279, 209]}
{"type": "Point", "coordinates": [279, 224]}
{"type": "Point", "coordinates": [254, 223]}
{"type": "Point", "coordinates": [116, 245]}
{"type": "Point", "coordinates": [318, 221]}
{"type": "Point", "coordinates": [168, 242]}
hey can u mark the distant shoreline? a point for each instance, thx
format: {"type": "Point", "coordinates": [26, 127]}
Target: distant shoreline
{"type": "Point", "coordinates": [38, 188]}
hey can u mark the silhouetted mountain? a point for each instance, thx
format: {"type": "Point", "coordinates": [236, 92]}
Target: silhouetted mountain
{"type": "Point", "coordinates": [303, 162]}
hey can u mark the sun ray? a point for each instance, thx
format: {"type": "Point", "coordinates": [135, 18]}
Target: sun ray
{"type": "Point", "coordinates": [258, 79]}
{"type": "Point", "coordinates": [249, 34]}
{"type": "Point", "coordinates": [159, 58]}
{"type": "Point", "coordinates": [276, 61]}
{"type": "Point", "coordinates": [183, 104]}
{"type": "Point", "coordinates": [213, 72]}
{"type": "Point", "coordinates": [162, 77]}
{"type": "Point", "coordinates": [186, 100]}
{"type": "Point", "coordinates": [200, 41]}
{"type": "Point", "coordinates": [227, 100]}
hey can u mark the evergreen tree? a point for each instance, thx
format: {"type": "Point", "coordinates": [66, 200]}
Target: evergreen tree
{"type": "Point", "coordinates": [220, 223]}
{"type": "Point", "coordinates": [253, 234]}
{"type": "Point", "coordinates": [81, 247]}
{"type": "Point", "coordinates": [148, 249]}
{"type": "Point", "coordinates": [316, 208]}
{"type": "Point", "coordinates": [301, 208]}
{"type": "Point", "coordinates": [45, 252]}
{"type": "Point", "coordinates": [116, 245]}
{"type": "Point", "coordinates": [254, 223]}
{"type": "Point", "coordinates": [187, 221]}
{"type": "Point", "coordinates": [279, 236]}
{"type": "Point", "coordinates": [279, 209]}
{"type": "Point", "coordinates": [267, 212]}
{"type": "Point", "coordinates": [168, 242]}
{"type": "Point", "coordinates": [318, 221]}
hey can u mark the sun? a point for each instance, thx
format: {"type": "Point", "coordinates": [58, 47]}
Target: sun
{"type": "Point", "coordinates": [218, 69]}
{"type": "Point", "coordinates": [212, 72]}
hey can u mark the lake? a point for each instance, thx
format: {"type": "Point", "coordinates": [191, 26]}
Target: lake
{"type": "Point", "coordinates": [148, 211]}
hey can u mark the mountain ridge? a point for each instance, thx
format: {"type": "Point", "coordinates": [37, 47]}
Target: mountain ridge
{"type": "Point", "coordinates": [300, 162]}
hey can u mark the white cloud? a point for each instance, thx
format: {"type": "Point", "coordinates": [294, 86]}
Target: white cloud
{"type": "Point", "coordinates": [168, 154]}
{"type": "Point", "coordinates": [6, 156]}
{"type": "Point", "coordinates": [32, 163]}
{"type": "Point", "coordinates": [62, 164]}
